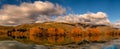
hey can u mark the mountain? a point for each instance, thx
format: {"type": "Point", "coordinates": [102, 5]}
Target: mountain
{"type": "Point", "coordinates": [66, 26]}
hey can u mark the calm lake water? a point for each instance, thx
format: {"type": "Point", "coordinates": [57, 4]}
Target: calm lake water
{"type": "Point", "coordinates": [8, 44]}
{"type": "Point", "coordinates": [57, 42]}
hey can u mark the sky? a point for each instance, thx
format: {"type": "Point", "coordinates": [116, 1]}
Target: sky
{"type": "Point", "coordinates": [110, 7]}
{"type": "Point", "coordinates": [99, 8]}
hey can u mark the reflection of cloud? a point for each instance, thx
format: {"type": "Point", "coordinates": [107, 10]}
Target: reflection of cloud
{"type": "Point", "coordinates": [94, 18]}
{"type": "Point", "coordinates": [28, 12]}
{"type": "Point", "coordinates": [14, 45]}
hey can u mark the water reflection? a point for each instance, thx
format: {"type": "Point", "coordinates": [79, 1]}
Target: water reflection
{"type": "Point", "coordinates": [14, 45]}
{"type": "Point", "coordinates": [36, 39]}
{"type": "Point", "coordinates": [51, 39]}
{"type": "Point", "coordinates": [76, 38]}
{"type": "Point", "coordinates": [57, 36]}
{"type": "Point", "coordinates": [56, 39]}
{"type": "Point", "coordinates": [60, 39]}
{"type": "Point", "coordinates": [18, 45]}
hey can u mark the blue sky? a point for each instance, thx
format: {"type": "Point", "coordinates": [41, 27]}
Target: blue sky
{"type": "Point", "coordinates": [110, 7]}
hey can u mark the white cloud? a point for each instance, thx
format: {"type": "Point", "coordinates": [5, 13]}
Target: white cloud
{"type": "Point", "coordinates": [39, 11]}
{"type": "Point", "coordinates": [116, 24]}
{"type": "Point", "coordinates": [94, 18]}
{"type": "Point", "coordinates": [29, 12]}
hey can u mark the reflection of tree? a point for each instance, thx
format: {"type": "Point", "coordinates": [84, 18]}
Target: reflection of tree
{"type": "Point", "coordinates": [118, 31]}
{"type": "Point", "coordinates": [76, 38]}
{"type": "Point", "coordinates": [36, 39]}
{"type": "Point", "coordinates": [94, 34]}
{"type": "Point", "coordinates": [18, 33]}
{"type": "Point", "coordinates": [95, 38]}
{"type": "Point", "coordinates": [51, 39]}
{"type": "Point", "coordinates": [94, 31]}
{"type": "Point", "coordinates": [36, 34]}
{"type": "Point", "coordinates": [60, 39]}
{"type": "Point", "coordinates": [86, 35]}
{"type": "Point", "coordinates": [111, 34]}
{"type": "Point", "coordinates": [107, 35]}
{"type": "Point", "coordinates": [76, 32]}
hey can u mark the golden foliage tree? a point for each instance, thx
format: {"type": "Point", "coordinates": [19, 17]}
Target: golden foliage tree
{"type": "Point", "coordinates": [60, 31]}
{"type": "Point", "coordinates": [35, 32]}
{"type": "Point", "coordinates": [118, 31]}
{"type": "Point", "coordinates": [107, 34]}
{"type": "Point", "coordinates": [51, 31]}
{"type": "Point", "coordinates": [94, 32]}
{"type": "Point", "coordinates": [3, 33]}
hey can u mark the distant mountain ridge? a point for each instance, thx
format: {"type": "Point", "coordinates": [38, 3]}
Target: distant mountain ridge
{"type": "Point", "coordinates": [83, 25]}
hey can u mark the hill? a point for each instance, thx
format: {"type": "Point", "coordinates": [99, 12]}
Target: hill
{"type": "Point", "coordinates": [65, 26]}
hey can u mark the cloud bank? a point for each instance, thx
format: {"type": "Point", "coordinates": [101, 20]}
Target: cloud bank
{"type": "Point", "coordinates": [93, 18]}
{"type": "Point", "coordinates": [29, 12]}
{"type": "Point", "coordinates": [39, 12]}
{"type": "Point", "coordinates": [116, 24]}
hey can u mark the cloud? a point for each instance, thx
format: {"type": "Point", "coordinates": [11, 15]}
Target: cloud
{"type": "Point", "coordinates": [116, 24]}
{"type": "Point", "coordinates": [43, 18]}
{"type": "Point", "coordinates": [39, 12]}
{"type": "Point", "coordinates": [93, 18]}
{"type": "Point", "coordinates": [29, 12]}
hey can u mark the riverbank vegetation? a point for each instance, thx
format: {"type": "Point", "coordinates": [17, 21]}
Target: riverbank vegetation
{"type": "Point", "coordinates": [52, 33]}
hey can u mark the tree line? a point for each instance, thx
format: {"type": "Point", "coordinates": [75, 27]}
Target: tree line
{"type": "Point", "coordinates": [77, 34]}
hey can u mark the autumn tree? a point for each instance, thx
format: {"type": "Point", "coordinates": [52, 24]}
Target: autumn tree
{"type": "Point", "coordinates": [113, 33]}
{"type": "Point", "coordinates": [36, 31]}
{"type": "Point", "coordinates": [3, 33]}
{"type": "Point", "coordinates": [107, 35]}
{"type": "Point", "coordinates": [60, 31]}
{"type": "Point", "coordinates": [86, 35]}
{"type": "Point", "coordinates": [51, 31]}
{"type": "Point", "coordinates": [118, 31]}
{"type": "Point", "coordinates": [94, 32]}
